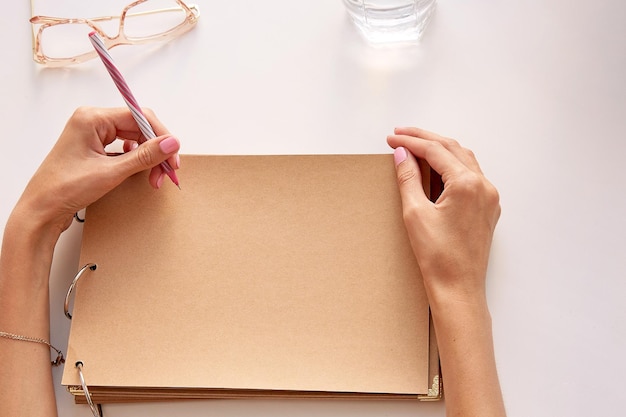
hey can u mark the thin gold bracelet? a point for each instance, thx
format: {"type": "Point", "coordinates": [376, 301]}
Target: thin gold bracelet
{"type": "Point", "coordinates": [58, 361]}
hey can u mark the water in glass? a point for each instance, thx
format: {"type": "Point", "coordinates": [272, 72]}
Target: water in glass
{"type": "Point", "coordinates": [390, 21]}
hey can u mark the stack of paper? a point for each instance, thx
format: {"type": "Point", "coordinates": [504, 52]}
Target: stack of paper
{"type": "Point", "coordinates": [265, 276]}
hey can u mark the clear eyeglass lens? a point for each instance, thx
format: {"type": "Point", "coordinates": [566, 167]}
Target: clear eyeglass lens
{"type": "Point", "coordinates": [153, 17]}
{"type": "Point", "coordinates": [66, 40]}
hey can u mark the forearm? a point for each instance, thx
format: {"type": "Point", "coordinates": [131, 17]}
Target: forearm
{"type": "Point", "coordinates": [465, 342]}
{"type": "Point", "coordinates": [25, 375]}
{"type": "Point", "coordinates": [75, 173]}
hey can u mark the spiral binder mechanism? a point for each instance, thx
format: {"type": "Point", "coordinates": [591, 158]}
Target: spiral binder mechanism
{"type": "Point", "coordinates": [96, 409]}
{"type": "Point", "coordinates": [78, 219]}
{"type": "Point", "coordinates": [66, 306]}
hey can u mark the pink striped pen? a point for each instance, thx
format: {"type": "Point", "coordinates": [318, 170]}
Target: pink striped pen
{"type": "Point", "coordinates": [130, 100]}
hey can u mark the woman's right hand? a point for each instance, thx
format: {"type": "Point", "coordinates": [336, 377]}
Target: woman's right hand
{"type": "Point", "coordinates": [451, 240]}
{"type": "Point", "coordinates": [451, 237]}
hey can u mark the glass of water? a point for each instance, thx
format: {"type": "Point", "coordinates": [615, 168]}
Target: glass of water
{"type": "Point", "coordinates": [390, 21]}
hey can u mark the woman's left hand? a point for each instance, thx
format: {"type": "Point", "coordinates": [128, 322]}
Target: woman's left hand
{"type": "Point", "coordinates": [77, 171]}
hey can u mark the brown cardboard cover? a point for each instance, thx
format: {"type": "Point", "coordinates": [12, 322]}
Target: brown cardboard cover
{"type": "Point", "coordinates": [263, 274]}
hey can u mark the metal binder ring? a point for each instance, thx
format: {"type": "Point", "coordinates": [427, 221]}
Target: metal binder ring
{"type": "Point", "coordinates": [95, 409]}
{"type": "Point", "coordinates": [66, 307]}
{"type": "Point", "coordinates": [78, 219]}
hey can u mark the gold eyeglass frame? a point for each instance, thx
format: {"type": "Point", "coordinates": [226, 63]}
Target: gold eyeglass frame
{"type": "Point", "coordinates": [192, 14]}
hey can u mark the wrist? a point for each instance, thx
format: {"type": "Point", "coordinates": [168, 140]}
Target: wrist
{"type": "Point", "coordinates": [450, 300]}
{"type": "Point", "coordinates": [460, 310]}
{"type": "Point", "coordinates": [28, 230]}
{"type": "Point", "coordinates": [455, 283]}
{"type": "Point", "coordinates": [25, 261]}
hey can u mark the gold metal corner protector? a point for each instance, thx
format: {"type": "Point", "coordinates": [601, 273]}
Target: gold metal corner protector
{"type": "Point", "coordinates": [435, 392]}
{"type": "Point", "coordinates": [75, 390]}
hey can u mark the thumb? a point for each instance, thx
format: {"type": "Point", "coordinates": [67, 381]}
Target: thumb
{"type": "Point", "coordinates": [148, 155]}
{"type": "Point", "coordinates": [409, 180]}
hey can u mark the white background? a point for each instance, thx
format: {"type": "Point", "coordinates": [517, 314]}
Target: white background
{"type": "Point", "coordinates": [536, 88]}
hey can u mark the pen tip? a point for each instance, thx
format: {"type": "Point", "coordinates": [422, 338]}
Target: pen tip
{"type": "Point", "coordinates": [179, 187]}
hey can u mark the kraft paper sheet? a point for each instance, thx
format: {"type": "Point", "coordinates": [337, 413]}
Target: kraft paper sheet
{"type": "Point", "coordinates": [264, 274]}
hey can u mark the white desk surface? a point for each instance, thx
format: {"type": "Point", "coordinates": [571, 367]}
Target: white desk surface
{"type": "Point", "coordinates": [536, 88]}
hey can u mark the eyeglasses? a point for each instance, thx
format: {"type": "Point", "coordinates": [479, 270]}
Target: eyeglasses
{"type": "Point", "coordinates": [63, 41]}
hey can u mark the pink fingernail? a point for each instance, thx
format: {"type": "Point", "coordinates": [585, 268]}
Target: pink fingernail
{"type": "Point", "coordinates": [177, 161]}
{"type": "Point", "coordinates": [399, 155]}
{"type": "Point", "coordinates": [169, 145]}
{"type": "Point", "coordinates": [159, 182]}
{"type": "Point", "coordinates": [134, 145]}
